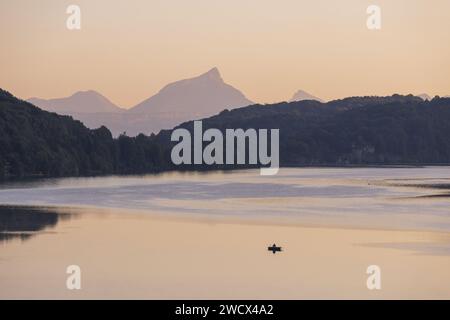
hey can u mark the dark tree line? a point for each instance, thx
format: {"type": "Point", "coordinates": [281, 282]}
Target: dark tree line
{"type": "Point", "coordinates": [36, 142]}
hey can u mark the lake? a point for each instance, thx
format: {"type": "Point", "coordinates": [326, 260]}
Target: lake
{"type": "Point", "coordinates": [205, 235]}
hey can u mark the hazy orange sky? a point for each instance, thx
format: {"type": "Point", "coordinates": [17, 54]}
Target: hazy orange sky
{"type": "Point", "coordinates": [128, 50]}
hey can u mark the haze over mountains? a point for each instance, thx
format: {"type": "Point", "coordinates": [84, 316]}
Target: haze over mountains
{"type": "Point", "coordinates": [177, 102]}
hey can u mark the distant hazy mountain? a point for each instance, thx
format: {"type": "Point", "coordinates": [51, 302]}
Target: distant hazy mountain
{"type": "Point", "coordinates": [301, 95]}
{"type": "Point", "coordinates": [181, 101]}
{"type": "Point", "coordinates": [425, 96]}
{"type": "Point", "coordinates": [187, 99]}
{"type": "Point", "coordinates": [177, 102]}
{"type": "Point", "coordinates": [80, 102]}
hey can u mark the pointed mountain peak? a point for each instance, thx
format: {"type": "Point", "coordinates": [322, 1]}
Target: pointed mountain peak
{"type": "Point", "coordinates": [212, 74]}
{"type": "Point", "coordinates": [303, 95]}
{"type": "Point", "coordinates": [424, 96]}
{"type": "Point", "coordinates": [201, 96]}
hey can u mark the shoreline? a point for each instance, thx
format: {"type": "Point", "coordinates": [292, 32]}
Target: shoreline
{"type": "Point", "coordinates": [234, 169]}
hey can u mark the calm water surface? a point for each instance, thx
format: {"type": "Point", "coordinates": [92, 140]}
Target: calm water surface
{"type": "Point", "coordinates": [205, 235]}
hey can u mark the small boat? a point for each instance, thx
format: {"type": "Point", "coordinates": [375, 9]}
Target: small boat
{"type": "Point", "coordinates": [274, 248]}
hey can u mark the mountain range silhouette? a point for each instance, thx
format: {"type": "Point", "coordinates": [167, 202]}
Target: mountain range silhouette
{"type": "Point", "coordinates": [177, 102]}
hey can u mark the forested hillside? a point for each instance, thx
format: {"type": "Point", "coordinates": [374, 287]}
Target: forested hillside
{"type": "Point", "coordinates": [360, 130]}
{"type": "Point", "coordinates": [36, 142]}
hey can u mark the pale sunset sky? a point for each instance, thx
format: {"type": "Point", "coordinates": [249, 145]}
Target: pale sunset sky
{"type": "Point", "coordinates": [128, 50]}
